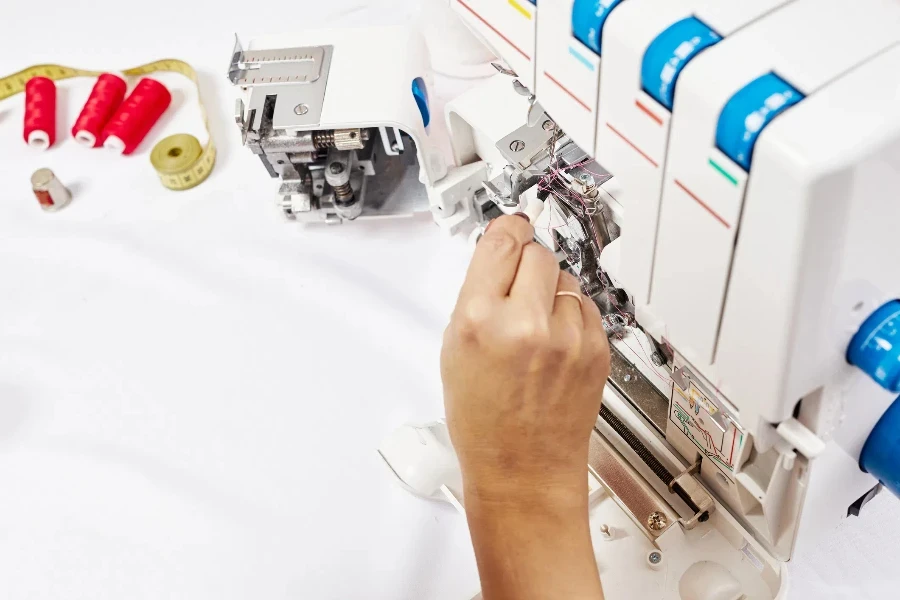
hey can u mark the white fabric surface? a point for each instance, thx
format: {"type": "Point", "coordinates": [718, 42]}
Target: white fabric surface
{"type": "Point", "coordinates": [192, 390]}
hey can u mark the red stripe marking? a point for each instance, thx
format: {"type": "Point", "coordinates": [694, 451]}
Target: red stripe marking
{"type": "Point", "coordinates": [648, 112]}
{"type": "Point", "coordinates": [708, 439]}
{"type": "Point", "coordinates": [571, 95]}
{"type": "Point", "coordinates": [703, 204]}
{"type": "Point", "coordinates": [732, 448]}
{"type": "Point", "coordinates": [630, 143]}
{"type": "Point", "coordinates": [492, 28]}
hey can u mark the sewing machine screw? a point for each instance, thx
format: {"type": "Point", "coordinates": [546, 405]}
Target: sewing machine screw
{"type": "Point", "coordinates": [627, 379]}
{"type": "Point", "coordinates": [655, 560]}
{"type": "Point", "coordinates": [657, 360]}
{"type": "Point", "coordinates": [589, 185]}
{"type": "Point", "coordinates": [517, 146]}
{"type": "Point", "coordinates": [336, 168]}
{"type": "Point", "coordinates": [657, 521]}
{"type": "Point", "coordinates": [549, 125]}
{"type": "Point", "coordinates": [301, 109]}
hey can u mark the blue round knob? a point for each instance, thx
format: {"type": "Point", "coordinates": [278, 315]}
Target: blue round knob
{"type": "Point", "coordinates": [879, 455]}
{"type": "Point", "coordinates": [876, 347]}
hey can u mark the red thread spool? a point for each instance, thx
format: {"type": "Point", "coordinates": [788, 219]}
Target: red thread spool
{"type": "Point", "coordinates": [105, 98]}
{"type": "Point", "coordinates": [40, 113]}
{"type": "Point", "coordinates": [136, 116]}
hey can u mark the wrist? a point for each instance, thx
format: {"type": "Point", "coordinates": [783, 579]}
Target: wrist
{"type": "Point", "coordinates": [513, 480]}
{"type": "Point", "coordinates": [553, 493]}
{"type": "Point", "coordinates": [530, 515]}
{"type": "Point", "coordinates": [533, 543]}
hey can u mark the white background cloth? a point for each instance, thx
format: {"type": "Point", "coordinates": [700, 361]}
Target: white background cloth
{"type": "Point", "coordinates": [192, 389]}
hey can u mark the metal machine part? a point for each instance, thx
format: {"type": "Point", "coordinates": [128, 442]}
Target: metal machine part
{"type": "Point", "coordinates": [302, 72]}
{"type": "Point", "coordinates": [330, 172]}
{"type": "Point", "coordinates": [640, 393]}
{"type": "Point", "coordinates": [295, 156]}
{"type": "Point", "coordinates": [541, 155]}
{"type": "Point", "coordinates": [685, 486]}
{"type": "Point", "coordinates": [629, 489]}
{"type": "Point", "coordinates": [337, 175]}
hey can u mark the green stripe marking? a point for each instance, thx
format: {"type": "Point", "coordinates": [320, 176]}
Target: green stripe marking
{"type": "Point", "coordinates": [723, 172]}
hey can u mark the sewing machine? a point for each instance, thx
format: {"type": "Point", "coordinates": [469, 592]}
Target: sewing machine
{"type": "Point", "coordinates": [721, 177]}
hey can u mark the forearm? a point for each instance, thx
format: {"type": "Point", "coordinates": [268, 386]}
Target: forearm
{"type": "Point", "coordinates": [534, 547]}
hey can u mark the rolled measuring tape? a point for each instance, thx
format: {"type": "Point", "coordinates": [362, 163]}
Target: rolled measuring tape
{"type": "Point", "coordinates": [179, 160]}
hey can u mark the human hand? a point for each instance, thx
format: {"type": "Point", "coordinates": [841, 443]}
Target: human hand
{"type": "Point", "coordinates": [523, 371]}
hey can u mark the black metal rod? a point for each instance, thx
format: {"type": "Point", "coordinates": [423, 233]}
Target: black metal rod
{"type": "Point", "coordinates": [637, 445]}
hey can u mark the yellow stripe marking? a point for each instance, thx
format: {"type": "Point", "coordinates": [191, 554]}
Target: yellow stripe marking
{"type": "Point", "coordinates": [520, 9]}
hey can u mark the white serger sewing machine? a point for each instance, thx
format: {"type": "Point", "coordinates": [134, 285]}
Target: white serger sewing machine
{"type": "Point", "coordinates": [743, 254]}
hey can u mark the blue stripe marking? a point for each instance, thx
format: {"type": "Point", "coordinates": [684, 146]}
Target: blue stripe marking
{"type": "Point", "coordinates": [577, 55]}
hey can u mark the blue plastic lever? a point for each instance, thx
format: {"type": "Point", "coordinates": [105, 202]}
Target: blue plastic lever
{"type": "Point", "coordinates": [420, 93]}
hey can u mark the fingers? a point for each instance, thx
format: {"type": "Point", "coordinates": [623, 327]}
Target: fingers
{"type": "Point", "coordinates": [580, 325]}
{"type": "Point", "coordinates": [496, 259]}
{"type": "Point", "coordinates": [536, 280]}
{"type": "Point", "coordinates": [597, 344]}
{"type": "Point", "coordinates": [593, 320]}
{"type": "Point", "coordinates": [565, 307]}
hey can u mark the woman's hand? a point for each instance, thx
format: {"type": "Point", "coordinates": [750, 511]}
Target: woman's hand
{"type": "Point", "coordinates": [524, 369]}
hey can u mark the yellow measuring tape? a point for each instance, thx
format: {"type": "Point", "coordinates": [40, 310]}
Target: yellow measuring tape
{"type": "Point", "coordinates": [179, 160]}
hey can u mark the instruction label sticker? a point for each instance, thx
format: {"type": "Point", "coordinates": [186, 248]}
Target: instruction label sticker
{"type": "Point", "coordinates": [707, 426]}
